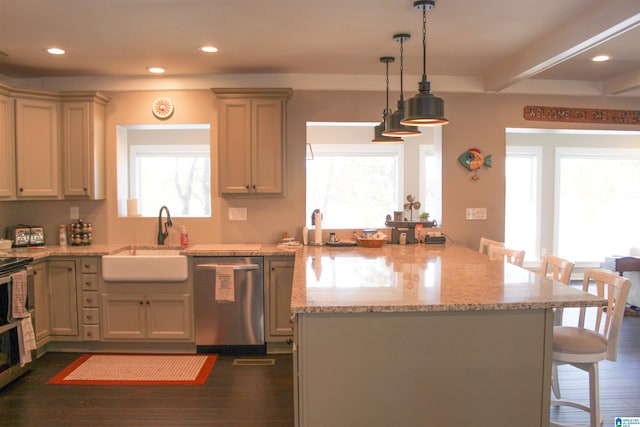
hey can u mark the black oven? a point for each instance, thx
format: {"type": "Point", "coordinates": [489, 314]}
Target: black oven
{"type": "Point", "coordinates": [10, 368]}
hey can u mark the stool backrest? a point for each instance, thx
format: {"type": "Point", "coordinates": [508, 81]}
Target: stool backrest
{"type": "Point", "coordinates": [556, 268]}
{"type": "Point", "coordinates": [512, 256]}
{"type": "Point", "coordinates": [485, 243]}
{"type": "Point", "coordinates": [608, 320]}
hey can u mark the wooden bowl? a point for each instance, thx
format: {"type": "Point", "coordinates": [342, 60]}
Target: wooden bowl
{"type": "Point", "coordinates": [371, 243]}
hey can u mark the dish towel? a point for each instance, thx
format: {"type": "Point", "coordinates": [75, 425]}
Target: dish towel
{"type": "Point", "coordinates": [26, 335]}
{"type": "Point", "coordinates": [225, 286]}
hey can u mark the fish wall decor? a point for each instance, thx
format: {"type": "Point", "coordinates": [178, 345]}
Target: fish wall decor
{"type": "Point", "coordinates": [472, 159]}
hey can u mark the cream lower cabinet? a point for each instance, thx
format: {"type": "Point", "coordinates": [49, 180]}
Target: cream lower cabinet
{"type": "Point", "coordinates": [251, 140]}
{"type": "Point", "coordinates": [63, 296]}
{"type": "Point", "coordinates": [279, 326]}
{"type": "Point", "coordinates": [42, 317]}
{"type": "Point", "coordinates": [139, 316]}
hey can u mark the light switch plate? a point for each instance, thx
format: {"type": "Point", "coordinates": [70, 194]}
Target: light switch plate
{"type": "Point", "coordinates": [74, 212]}
{"type": "Point", "coordinates": [476, 214]}
{"type": "Point", "coordinates": [237, 214]}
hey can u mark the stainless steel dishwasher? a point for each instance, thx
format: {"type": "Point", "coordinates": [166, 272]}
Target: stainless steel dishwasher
{"type": "Point", "coordinates": [229, 327]}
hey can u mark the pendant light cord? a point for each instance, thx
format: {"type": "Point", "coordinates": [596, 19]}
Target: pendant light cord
{"type": "Point", "coordinates": [387, 111]}
{"type": "Point", "coordinates": [424, 43]}
{"type": "Point", "coordinates": [401, 70]}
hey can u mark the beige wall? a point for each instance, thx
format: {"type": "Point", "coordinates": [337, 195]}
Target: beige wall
{"type": "Point", "coordinates": [477, 120]}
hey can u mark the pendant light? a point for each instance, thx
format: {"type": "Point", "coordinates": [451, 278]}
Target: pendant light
{"type": "Point", "coordinates": [393, 122]}
{"type": "Point", "coordinates": [424, 108]}
{"type": "Point", "coordinates": [378, 138]}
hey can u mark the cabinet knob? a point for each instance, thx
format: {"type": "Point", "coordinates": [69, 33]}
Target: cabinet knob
{"type": "Point", "coordinates": [69, 269]}
{"type": "Point", "coordinates": [254, 187]}
{"type": "Point", "coordinates": [21, 189]}
{"type": "Point", "coordinates": [86, 266]}
{"type": "Point", "coordinates": [87, 284]}
{"type": "Point", "coordinates": [141, 302]}
{"type": "Point", "coordinates": [289, 340]}
{"type": "Point", "coordinates": [89, 334]}
{"type": "Point", "coordinates": [89, 317]}
{"type": "Point", "coordinates": [89, 300]}
{"type": "Point", "coordinates": [246, 186]}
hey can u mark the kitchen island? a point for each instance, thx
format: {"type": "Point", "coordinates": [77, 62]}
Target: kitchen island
{"type": "Point", "coordinates": [428, 335]}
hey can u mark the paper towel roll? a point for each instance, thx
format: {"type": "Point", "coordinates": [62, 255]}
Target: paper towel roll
{"type": "Point", "coordinates": [132, 207]}
{"type": "Point", "coordinates": [318, 230]}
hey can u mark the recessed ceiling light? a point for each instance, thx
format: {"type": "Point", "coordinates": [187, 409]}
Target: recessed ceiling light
{"type": "Point", "coordinates": [55, 51]}
{"type": "Point", "coordinates": [601, 58]}
{"type": "Point", "coordinates": [156, 70]}
{"type": "Point", "coordinates": [208, 49]}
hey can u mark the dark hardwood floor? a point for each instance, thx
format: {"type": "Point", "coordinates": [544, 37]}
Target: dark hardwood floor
{"type": "Point", "coordinates": [256, 395]}
{"type": "Point", "coordinates": [231, 396]}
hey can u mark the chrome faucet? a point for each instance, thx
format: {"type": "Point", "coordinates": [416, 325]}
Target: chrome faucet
{"type": "Point", "coordinates": [162, 236]}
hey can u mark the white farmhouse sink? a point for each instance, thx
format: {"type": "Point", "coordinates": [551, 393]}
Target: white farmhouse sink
{"type": "Point", "coordinates": [157, 265]}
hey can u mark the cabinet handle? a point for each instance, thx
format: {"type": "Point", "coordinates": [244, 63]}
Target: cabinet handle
{"type": "Point", "coordinates": [21, 189]}
{"type": "Point", "coordinates": [141, 302]}
{"type": "Point", "coordinates": [246, 186]}
{"type": "Point", "coordinates": [254, 188]}
{"type": "Point", "coordinates": [84, 189]}
{"type": "Point", "coordinates": [89, 334]}
{"type": "Point", "coordinates": [148, 303]}
{"type": "Point", "coordinates": [87, 284]}
{"type": "Point", "coordinates": [86, 266]}
{"type": "Point", "coordinates": [35, 273]}
{"type": "Point", "coordinates": [89, 300]}
{"type": "Point", "coordinates": [289, 340]}
{"type": "Point", "coordinates": [69, 269]}
{"type": "Point", "coordinates": [89, 317]}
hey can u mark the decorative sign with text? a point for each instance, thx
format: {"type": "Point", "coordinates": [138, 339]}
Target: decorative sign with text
{"type": "Point", "coordinates": [584, 115]}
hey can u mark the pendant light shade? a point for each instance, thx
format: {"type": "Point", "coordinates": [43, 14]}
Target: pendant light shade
{"type": "Point", "coordinates": [393, 122]}
{"type": "Point", "coordinates": [378, 138]}
{"type": "Point", "coordinates": [425, 109]}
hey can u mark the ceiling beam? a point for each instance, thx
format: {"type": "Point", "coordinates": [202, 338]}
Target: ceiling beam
{"type": "Point", "coordinates": [581, 34]}
{"type": "Point", "coordinates": [623, 83]}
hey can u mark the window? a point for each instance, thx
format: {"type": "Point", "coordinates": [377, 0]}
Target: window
{"type": "Point", "coordinates": [581, 185]}
{"type": "Point", "coordinates": [522, 199]}
{"type": "Point", "coordinates": [598, 201]}
{"type": "Point", "coordinates": [165, 166]}
{"type": "Point", "coordinates": [356, 184]}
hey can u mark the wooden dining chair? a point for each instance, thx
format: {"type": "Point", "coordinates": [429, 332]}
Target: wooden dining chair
{"type": "Point", "coordinates": [512, 256]}
{"type": "Point", "coordinates": [485, 243]}
{"type": "Point", "coordinates": [585, 345]}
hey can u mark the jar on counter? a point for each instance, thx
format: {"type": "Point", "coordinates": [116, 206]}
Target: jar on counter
{"type": "Point", "coordinates": [62, 235]}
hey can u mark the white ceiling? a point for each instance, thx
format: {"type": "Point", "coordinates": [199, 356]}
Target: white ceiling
{"type": "Point", "coordinates": [495, 44]}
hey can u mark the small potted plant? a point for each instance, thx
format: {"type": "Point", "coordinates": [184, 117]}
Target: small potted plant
{"type": "Point", "coordinates": [424, 217]}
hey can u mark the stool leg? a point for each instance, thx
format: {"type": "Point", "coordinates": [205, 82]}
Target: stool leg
{"type": "Point", "coordinates": [555, 383]}
{"type": "Point", "coordinates": [594, 395]}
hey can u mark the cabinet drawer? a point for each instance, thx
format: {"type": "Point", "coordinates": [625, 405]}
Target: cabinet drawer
{"type": "Point", "coordinates": [89, 282]}
{"type": "Point", "coordinates": [90, 316]}
{"type": "Point", "coordinates": [91, 332]}
{"type": "Point", "coordinates": [90, 299]}
{"type": "Point", "coordinates": [89, 265]}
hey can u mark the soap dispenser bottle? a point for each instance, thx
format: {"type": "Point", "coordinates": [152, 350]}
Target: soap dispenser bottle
{"type": "Point", "coordinates": [184, 237]}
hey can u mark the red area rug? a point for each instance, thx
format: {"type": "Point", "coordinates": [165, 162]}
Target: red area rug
{"type": "Point", "coordinates": [137, 369]}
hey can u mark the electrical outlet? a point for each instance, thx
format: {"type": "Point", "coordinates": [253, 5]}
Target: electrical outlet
{"type": "Point", "coordinates": [476, 214]}
{"type": "Point", "coordinates": [74, 212]}
{"type": "Point", "coordinates": [237, 214]}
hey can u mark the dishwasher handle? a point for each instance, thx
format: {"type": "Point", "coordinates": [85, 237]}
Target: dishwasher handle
{"type": "Point", "coordinates": [236, 267]}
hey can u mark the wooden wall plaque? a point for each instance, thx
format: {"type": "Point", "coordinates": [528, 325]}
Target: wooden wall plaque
{"type": "Point", "coordinates": [583, 115]}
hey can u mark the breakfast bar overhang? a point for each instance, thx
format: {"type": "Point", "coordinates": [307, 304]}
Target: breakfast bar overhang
{"type": "Point", "coordinates": [422, 335]}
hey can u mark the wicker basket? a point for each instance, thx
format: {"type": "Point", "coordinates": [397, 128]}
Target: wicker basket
{"type": "Point", "coordinates": [371, 243]}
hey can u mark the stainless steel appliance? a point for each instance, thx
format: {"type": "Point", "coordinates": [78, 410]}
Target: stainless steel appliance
{"type": "Point", "coordinates": [10, 368]}
{"type": "Point", "coordinates": [26, 235]}
{"type": "Point", "coordinates": [229, 327]}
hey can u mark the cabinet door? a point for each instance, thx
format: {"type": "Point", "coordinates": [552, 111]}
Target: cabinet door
{"type": "Point", "coordinates": [83, 149]}
{"type": "Point", "coordinates": [63, 298]}
{"type": "Point", "coordinates": [37, 148]}
{"type": "Point", "coordinates": [267, 145]}
{"type": "Point", "coordinates": [7, 150]}
{"type": "Point", "coordinates": [279, 293]}
{"type": "Point", "coordinates": [234, 146]}
{"type": "Point", "coordinates": [42, 317]}
{"type": "Point", "coordinates": [123, 316]}
{"type": "Point", "coordinates": [169, 316]}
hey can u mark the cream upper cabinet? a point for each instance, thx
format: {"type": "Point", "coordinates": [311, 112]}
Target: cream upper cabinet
{"type": "Point", "coordinates": [7, 149]}
{"type": "Point", "coordinates": [37, 147]}
{"type": "Point", "coordinates": [251, 140]}
{"type": "Point", "coordinates": [83, 147]}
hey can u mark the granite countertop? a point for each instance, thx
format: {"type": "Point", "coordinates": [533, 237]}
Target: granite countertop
{"type": "Point", "coordinates": [420, 278]}
{"type": "Point", "coordinates": [193, 250]}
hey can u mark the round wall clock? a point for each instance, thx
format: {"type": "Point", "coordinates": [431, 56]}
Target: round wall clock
{"type": "Point", "coordinates": [162, 108]}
